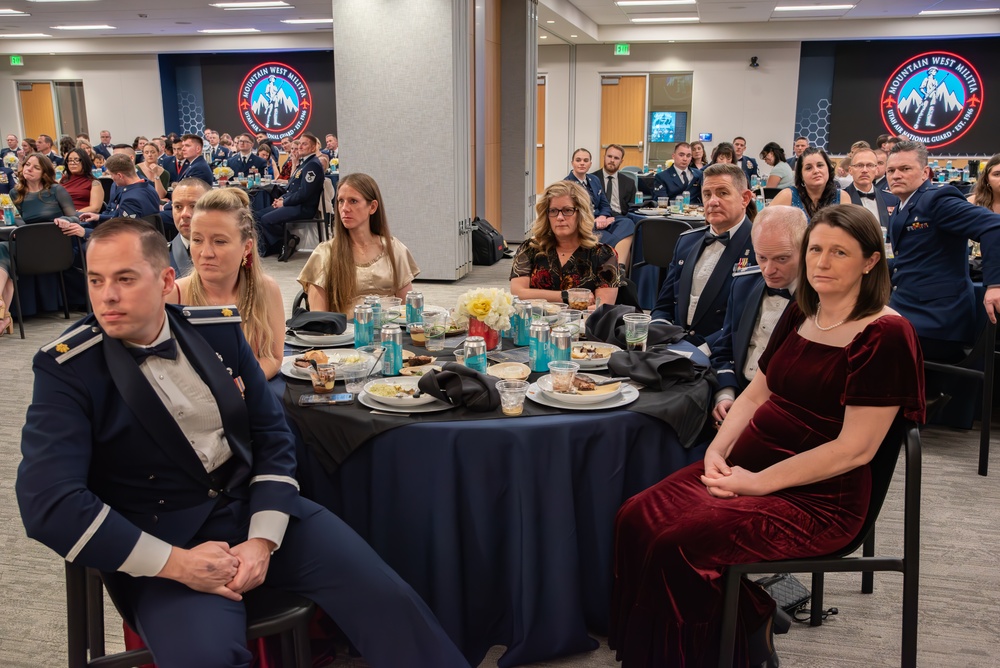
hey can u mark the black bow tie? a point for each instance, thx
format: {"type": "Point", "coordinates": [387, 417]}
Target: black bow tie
{"type": "Point", "coordinates": [779, 292]}
{"type": "Point", "coordinates": [870, 195]}
{"type": "Point", "coordinates": [722, 238]}
{"type": "Point", "coordinates": [167, 350]}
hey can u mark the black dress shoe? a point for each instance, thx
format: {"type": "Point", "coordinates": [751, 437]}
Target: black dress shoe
{"type": "Point", "coordinates": [289, 249]}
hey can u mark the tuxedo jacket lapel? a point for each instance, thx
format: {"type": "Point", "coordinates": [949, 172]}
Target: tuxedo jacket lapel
{"type": "Point", "coordinates": [723, 270]}
{"type": "Point", "coordinates": [687, 276]}
{"type": "Point", "coordinates": [883, 210]}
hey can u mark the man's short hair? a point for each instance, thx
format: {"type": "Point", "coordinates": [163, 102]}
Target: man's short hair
{"type": "Point", "coordinates": [617, 147]}
{"type": "Point", "coordinates": [312, 138]}
{"type": "Point", "coordinates": [789, 219]}
{"type": "Point", "coordinates": [893, 140]}
{"type": "Point", "coordinates": [906, 146]}
{"type": "Point", "coordinates": [681, 144]}
{"type": "Point", "coordinates": [736, 139]}
{"type": "Point", "coordinates": [47, 138]}
{"type": "Point", "coordinates": [854, 155]}
{"type": "Point", "coordinates": [154, 245]}
{"type": "Point", "coordinates": [193, 182]}
{"type": "Point", "coordinates": [195, 138]}
{"type": "Point", "coordinates": [805, 139]}
{"type": "Point", "coordinates": [120, 163]}
{"type": "Point", "coordinates": [882, 138]}
{"type": "Point", "coordinates": [245, 134]}
{"type": "Point", "coordinates": [84, 136]}
{"type": "Point", "coordinates": [733, 171]}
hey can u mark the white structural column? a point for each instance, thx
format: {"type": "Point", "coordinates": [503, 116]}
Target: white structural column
{"type": "Point", "coordinates": [404, 117]}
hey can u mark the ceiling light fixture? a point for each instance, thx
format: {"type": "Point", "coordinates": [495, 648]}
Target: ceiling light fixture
{"type": "Point", "coordinates": [304, 21]}
{"type": "Point", "coordinates": [653, 3]}
{"type": "Point", "coordinates": [550, 21]}
{"type": "Point", "coordinates": [227, 31]}
{"type": "Point", "coordinates": [666, 19]}
{"type": "Point", "coordinates": [264, 4]}
{"type": "Point", "coordinates": [572, 35]}
{"type": "Point", "coordinates": [812, 8]}
{"type": "Point", "coordinates": [959, 12]}
{"type": "Point", "coordinates": [543, 37]}
{"type": "Point", "coordinates": [61, 0]}
{"type": "Point", "coordinates": [94, 27]}
{"type": "Point", "coordinates": [24, 35]}
{"type": "Point", "coordinates": [12, 12]}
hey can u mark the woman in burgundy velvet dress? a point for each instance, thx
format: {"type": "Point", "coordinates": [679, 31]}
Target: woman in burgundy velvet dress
{"type": "Point", "coordinates": [787, 476]}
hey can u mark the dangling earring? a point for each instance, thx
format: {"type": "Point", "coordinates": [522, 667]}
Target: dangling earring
{"type": "Point", "coordinates": [246, 262]}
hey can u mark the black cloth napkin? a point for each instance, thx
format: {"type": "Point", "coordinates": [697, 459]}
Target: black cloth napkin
{"type": "Point", "coordinates": [659, 368]}
{"type": "Point", "coordinates": [317, 322]}
{"type": "Point", "coordinates": [461, 386]}
{"type": "Point", "coordinates": [606, 324]}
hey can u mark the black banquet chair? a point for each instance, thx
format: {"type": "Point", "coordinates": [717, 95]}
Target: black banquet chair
{"type": "Point", "coordinates": [37, 249]}
{"type": "Point", "coordinates": [905, 435]}
{"type": "Point", "coordinates": [269, 612]}
{"type": "Point", "coordinates": [658, 236]}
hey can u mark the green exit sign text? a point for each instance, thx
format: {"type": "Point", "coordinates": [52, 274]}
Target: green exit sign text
{"type": "Point", "coordinates": [17, 61]}
{"type": "Point", "coordinates": [621, 49]}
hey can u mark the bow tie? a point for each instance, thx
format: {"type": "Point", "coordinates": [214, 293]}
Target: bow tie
{"type": "Point", "coordinates": [870, 195]}
{"type": "Point", "coordinates": [779, 292]}
{"type": "Point", "coordinates": [722, 238]}
{"type": "Point", "coordinates": [167, 350]}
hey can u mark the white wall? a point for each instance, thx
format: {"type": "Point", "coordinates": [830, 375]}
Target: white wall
{"type": "Point", "coordinates": [122, 93]}
{"type": "Point", "coordinates": [728, 97]}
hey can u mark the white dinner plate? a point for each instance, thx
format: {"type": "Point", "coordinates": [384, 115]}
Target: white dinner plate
{"type": "Point", "coordinates": [336, 357]}
{"type": "Point", "coordinates": [628, 395]}
{"type": "Point", "coordinates": [597, 363]}
{"type": "Point", "coordinates": [310, 340]}
{"type": "Point", "coordinates": [406, 401]}
{"type": "Point", "coordinates": [366, 399]}
{"type": "Point", "coordinates": [595, 396]}
{"type": "Point", "coordinates": [653, 212]}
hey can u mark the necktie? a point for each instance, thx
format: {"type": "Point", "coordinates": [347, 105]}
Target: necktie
{"type": "Point", "coordinates": [684, 177]}
{"type": "Point", "coordinates": [180, 166]}
{"type": "Point", "coordinates": [870, 195]}
{"type": "Point", "coordinates": [779, 292]}
{"type": "Point", "coordinates": [167, 350]}
{"type": "Point", "coordinates": [609, 185]}
{"type": "Point", "coordinates": [722, 238]}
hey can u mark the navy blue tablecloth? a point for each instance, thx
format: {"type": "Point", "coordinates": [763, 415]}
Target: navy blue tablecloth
{"type": "Point", "coordinates": [504, 526]}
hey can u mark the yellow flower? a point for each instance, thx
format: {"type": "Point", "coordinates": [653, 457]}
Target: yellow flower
{"type": "Point", "coordinates": [62, 348]}
{"type": "Point", "coordinates": [480, 307]}
{"type": "Point", "coordinates": [227, 312]}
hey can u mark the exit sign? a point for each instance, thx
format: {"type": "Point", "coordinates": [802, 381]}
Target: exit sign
{"type": "Point", "coordinates": [621, 49]}
{"type": "Point", "coordinates": [17, 61]}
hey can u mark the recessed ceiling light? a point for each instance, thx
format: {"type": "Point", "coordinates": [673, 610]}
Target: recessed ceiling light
{"type": "Point", "coordinates": [572, 35]}
{"type": "Point", "coordinates": [653, 3]}
{"type": "Point", "coordinates": [227, 31]}
{"type": "Point", "coordinates": [666, 19]}
{"type": "Point", "coordinates": [94, 27]}
{"type": "Point", "coordinates": [812, 8]}
{"type": "Point", "coordinates": [264, 4]}
{"type": "Point", "coordinates": [24, 35]}
{"type": "Point", "coordinates": [60, 0]}
{"type": "Point", "coordinates": [945, 12]}
{"type": "Point", "coordinates": [543, 37]}
{"type": "Point", "coordinates": [12, 12]}
{"type": "Point", "coordinates": [550, 21]}
{"type": "Point", "coordinates": [303, 21]}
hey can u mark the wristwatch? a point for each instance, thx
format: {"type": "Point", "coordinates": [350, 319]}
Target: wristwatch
{"type": "Point", "coordinates": [565, 296]}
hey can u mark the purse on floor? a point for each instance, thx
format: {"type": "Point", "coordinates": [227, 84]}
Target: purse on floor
{"type": "Point", "coordinates": [786, 590]}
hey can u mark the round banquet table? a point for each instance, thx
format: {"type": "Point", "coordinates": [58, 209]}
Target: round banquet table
{"type": "Point", "coordinates": [503, 525]}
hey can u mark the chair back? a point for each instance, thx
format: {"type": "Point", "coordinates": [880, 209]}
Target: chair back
{"type": "Point", "coordinates": [659, 236]}
{"type": "Point", "coordinates": [632, 175]}
{"type": "Point", "coordinates": [770, 193]}
{"type": "Point", "coordinates": [106, 183]}
{"type": "Point", "coordinates": [41, 248]}
{"type": "Point", "coordinates": [156, 221]}
{"type": "Point", "coordinates": [630, 169]}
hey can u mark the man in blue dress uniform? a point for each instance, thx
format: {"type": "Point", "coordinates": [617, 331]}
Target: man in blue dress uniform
{"type": "Point", "coordinates": [6, 180]}
{"type": "Point", "coordinates": [134, 198]}
{"type": "Point", "coordinates": [680, 177]}
{"type": "Point", "coordinates": [191, 163]}
{"type": "Point", "coordinates": [241, 160]}
{"type": "Point", "coordinates": [757, 300]}
{"type": "Point", "coordinates": [929, 232]}
{"type": "Point", "coordinates": [13, 146]}
{"type": "Point", "coordinates": [746, 163]}
{"type": "Point", "coordinates": [215, 153]}
{"type": "Point", "coordinates": [155, 451]}
{"type": "Point", "coordinates": [696, 290]}
{"type": "Point", "coordinates": [299, 202]}
{"type": "Point", "coordinates": [44, 143]}
{"type": "Point", "coordinates": [615, 231]}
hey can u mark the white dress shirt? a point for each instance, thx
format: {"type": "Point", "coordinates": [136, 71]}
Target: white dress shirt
{"type": "Point", "coordinates": [703, 270]}
{"type": "Point", "coordinates": [612, 192]}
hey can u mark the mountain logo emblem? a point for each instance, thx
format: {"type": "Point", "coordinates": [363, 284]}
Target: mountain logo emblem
{"type": "Point", "coordinates": [274, 99]}
{"type": "Point", "coordinates": [934, 98]}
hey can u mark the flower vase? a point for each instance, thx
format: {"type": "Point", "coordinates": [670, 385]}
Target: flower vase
{"type": "Point", "coordinates": [491, 336]}
{"type": "Point", "coordinates": [223, 181]}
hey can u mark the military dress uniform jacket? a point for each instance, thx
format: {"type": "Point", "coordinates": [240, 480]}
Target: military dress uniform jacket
{"type": "Point", "coordinates": [6, 180]}
{"type": "Point", "coordinates": [104, 462]}
{"type": "Point", "coordinates": [217, 156]}
{"type": "Point", "coordinates": [749, 167]}
{"type": "Point", "coordinates": [235, 163]}
{"type": "Point", "coordinates": [930, 273]}
{"type": "Point", "coordinates": [133, 201]}
{"type": "Point", "coordinates": [598, 201]}
{"type": "Point", "coordinates": [675, 295]}
{"type": "Point", "coordinates": [305, 188]}
{"type": "Point", "coordinates": [196, 168]}
{"type": "Point", "coordinates": [668, 183]}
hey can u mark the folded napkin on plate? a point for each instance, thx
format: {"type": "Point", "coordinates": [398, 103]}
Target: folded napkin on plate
{"type": "Point", "coordinates": [658, 368]}
{"type": "Point", "coordinates": [317, 322]}
{"type": "Point", "coordinates": [606, 324]}
{"type": "Point", "coordinates": [461, 386]}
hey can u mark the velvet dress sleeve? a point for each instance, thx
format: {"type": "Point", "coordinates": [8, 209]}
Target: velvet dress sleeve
{"type": "Point", "coordinates": [885, 367]}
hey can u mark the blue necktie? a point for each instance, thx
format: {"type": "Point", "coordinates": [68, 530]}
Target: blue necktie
{"type": "Point", "coordinates": [166, 349]}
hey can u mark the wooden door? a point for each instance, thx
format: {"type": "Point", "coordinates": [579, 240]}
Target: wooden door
{"type": "Point", "coordinates": [37, 112]}
{"type": "Point", "coordinates": [623, 117]}
{"type": "Point", "coordinates": [540, 137]}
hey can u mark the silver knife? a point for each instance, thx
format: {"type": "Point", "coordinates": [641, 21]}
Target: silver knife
{"type": "Point", "coordinates": [608, 381]}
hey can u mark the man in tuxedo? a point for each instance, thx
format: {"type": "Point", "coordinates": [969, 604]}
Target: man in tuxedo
{"type": "Point", "coordinates": [800, 145]}
{"type": "Point", "coordinates": [155, 451]}
{"type": "Point", "coordinates": [243, 159]}
{"type": "Point", "coordinates": [679, 177]}
{"type": "Point", "coordinates": [44, 143]}
{"type": "Point", "coordinates": [757, 299]}
{"type": "Point", "coordinates": [13, 146]}
{"type": "Point", "coordinates": [191, 162]}
{"type": "Point", "coordinates": [300, 201]}
{"type": "Point", "coordinates": [332, 149]}
{"type": "Point", "coordinates": [862, 190]}
{"type": "Point", "coordinates": [105, 147]}
{"type": "Point", "coordinates": [929, 232]}
{"type": "Point", "coordinates": [748, 164]}
{"type": "Point", "coordinates": [135, 197]}
{"type": "Point", "coordinates": [186, 195]}
{"type": "Point", "coordinates": [696, 290]}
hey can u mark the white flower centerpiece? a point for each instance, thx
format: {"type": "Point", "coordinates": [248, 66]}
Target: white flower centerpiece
{"type": "Point", "coordinates": [487, 312]}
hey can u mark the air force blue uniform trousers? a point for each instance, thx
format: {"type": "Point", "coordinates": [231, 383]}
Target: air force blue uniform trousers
{"type": "Point", "coordinates": [106, 466]}
{"type": "Point", "coordinates": [300, 202]}
{"type": "Point", "coordinates": [930, 273]}
{"type": "Point", "coordinates": [669, 183]}
{"type": "Point", "coordinates": [675, 294]}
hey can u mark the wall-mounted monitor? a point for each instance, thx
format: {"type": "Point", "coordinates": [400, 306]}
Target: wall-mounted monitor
{"type": "Point", "coordinates": [667, 127]}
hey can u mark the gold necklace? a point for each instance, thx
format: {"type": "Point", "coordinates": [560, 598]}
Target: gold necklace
{"type": "Point", "coordinates": [820, 327]}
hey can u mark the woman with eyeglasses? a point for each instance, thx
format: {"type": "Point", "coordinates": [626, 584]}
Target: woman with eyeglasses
{"type": "Point", "coordinates": [79, 182]}
{"type": "Point", "coordinates": [563, 251]}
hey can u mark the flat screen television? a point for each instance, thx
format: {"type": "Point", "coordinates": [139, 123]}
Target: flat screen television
{"type": "Point", "coordinates": [667, 127]}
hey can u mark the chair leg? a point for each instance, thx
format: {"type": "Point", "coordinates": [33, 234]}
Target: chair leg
{"type": "Point", "coordinates": [868, 577]}
{"type": "Point", "coordinates": [730, 607]}
{"type": "Point", "coordinates": [95, 614]}
{"type": "Point", "coordinates": [911, 595]}
{"type": "Point", "coordinates": [76, 616]}
{"type": "Point", "coordinates": [65, 297]}
{"type": "Point", "coordinates": [17, 296]}
{"type": "Point", "coordinates": [987, 412]}
{"type": "Point", "coordinates": [816, 609]}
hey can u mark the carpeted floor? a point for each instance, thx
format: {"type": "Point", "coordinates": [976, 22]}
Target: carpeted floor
{"type": "Point", "coordinates": [960, 578]}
